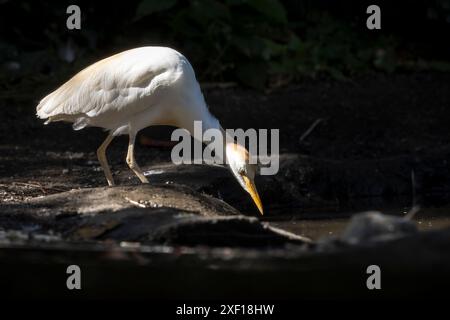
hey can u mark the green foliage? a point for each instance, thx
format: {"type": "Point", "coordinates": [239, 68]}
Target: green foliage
{"type": "Point", "coordinates": [230, 39]}
{"type": "Point", "coordinates": [254, 42]}
{"type": "Point", "coordinates": [259, 43]}
{"type": "Point", "coordinates": [272, 9]}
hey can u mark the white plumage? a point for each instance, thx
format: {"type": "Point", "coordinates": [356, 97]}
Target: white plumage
{"type": "Point", "coordinates": [132, 90]}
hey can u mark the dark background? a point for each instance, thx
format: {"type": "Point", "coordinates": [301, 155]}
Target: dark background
{"type": "Point", "coordinates": [265, 43]}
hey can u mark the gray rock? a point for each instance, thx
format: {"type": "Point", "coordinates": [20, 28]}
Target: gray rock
{"type": "Point", "coordinates": [150, 213]}
{"type": "Point", "coordinates": [375, 226]}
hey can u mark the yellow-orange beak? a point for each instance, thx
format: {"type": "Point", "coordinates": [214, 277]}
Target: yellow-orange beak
{"type": "Point", "coordinates": [251, 188]}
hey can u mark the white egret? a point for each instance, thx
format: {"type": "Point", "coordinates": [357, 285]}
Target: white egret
{"type": "Point", "coordinates": [135, 89]}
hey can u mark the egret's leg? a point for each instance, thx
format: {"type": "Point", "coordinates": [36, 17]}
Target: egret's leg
{"type": "Point", "coordinates": [101, 154]}
{"type": "Point", "coordinates": [132, 162]}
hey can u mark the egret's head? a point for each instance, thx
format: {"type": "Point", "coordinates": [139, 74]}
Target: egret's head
{"type": "Point", "coordinates": [238, 161]}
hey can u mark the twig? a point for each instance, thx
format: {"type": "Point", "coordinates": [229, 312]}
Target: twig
{"type": "Point", "coordinates": [32, 185]}
{"type": "Point", "coordinates": [411, 213]}
{"type": "Point", "coordinates": [414, 207]}
{"type": "Point", "coordinates": [135, 203]}
{"type": "Point", "coordinates": [310, 129]}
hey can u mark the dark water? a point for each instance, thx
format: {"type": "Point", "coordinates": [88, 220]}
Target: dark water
{"type": "Point", "coordinates": [331, 224]}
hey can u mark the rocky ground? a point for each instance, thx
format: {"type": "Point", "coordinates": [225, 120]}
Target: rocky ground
{"type": "Point", "coordinates": [381, 142]}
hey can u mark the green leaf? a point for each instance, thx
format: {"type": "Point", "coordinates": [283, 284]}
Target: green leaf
{"type": "Point", "coordinates": [147, 7]}
{"type": "Point", "coordinates": [272, 49]}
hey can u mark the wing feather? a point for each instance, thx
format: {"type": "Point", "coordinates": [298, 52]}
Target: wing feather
{"type": "Point", "coordinates": [110, 84]}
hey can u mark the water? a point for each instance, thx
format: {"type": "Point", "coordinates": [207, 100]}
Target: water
{"type": "Point", "coordinates": [332, 223]}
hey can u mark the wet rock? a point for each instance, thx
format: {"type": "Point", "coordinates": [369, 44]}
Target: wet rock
{"type": "Point", "coordinates": [95, 200]}
{"type": "Point", "coordinates": [227, 231]}
{"type": "Point", "coordinates": [169, 226]}
{"type": "Point", "coordinates": [215, 181]}
{"type": "Point", "coordinates": [149, 213]}
{"type": "Point", "coordinates": [375, 226]}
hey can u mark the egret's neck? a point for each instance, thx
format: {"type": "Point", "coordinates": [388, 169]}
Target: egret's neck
{"type": "Point", "coordinates": [200, 120]}
{"type": "Point", "coordinates": [211, 122]}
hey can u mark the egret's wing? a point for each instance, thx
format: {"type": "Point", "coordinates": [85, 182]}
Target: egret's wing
{"type": "Point", "coordinates": [110, 84]}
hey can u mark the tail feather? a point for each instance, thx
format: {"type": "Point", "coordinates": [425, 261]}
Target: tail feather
{"type": "Point", "coordinates": [45, 107]}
